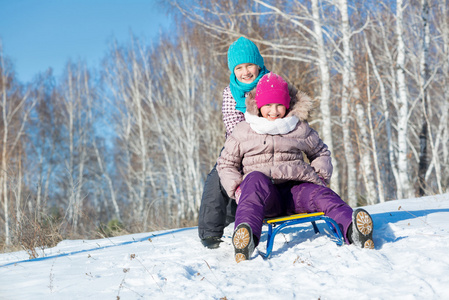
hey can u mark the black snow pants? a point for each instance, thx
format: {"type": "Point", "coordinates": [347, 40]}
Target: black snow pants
{"type": "Point", "coordinates": [217, 210]}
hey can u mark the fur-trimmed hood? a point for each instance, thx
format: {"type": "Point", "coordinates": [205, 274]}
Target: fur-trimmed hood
{"type": "Point", "coordinates": [301, 105]}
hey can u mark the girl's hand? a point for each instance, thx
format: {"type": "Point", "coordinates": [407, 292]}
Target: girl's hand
{"type": "Point", "coordinates": [238, 193]}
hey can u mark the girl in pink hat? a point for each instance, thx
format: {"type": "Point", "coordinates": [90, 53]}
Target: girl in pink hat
{"type": "Point", "coordinates": [263, 168]}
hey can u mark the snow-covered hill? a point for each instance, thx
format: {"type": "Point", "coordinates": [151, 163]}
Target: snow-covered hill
{"type": "Point", "coordinates": [411, 261]}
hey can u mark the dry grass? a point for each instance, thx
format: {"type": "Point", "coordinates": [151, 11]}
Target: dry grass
{"type": "Point", "coordinates": [34, 235]}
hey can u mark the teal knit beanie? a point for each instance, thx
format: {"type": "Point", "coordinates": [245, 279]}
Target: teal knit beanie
{"type": "Point", "coordinates": [244, 51]}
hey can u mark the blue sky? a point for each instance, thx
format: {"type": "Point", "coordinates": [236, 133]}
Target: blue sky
{"type": "Point", "coordinates": [38, 34]}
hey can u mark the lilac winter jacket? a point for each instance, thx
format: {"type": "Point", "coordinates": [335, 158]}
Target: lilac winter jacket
{"type": "Point", "coordinates": [275, 149]}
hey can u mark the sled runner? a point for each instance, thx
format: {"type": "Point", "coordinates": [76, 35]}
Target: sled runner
{"type": "Point", "coordinates": [281, 222]}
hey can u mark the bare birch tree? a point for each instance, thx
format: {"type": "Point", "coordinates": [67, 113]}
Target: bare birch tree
{"type": "Point", "coordinates": [131, 90]}
{"type": "Point", "coordinates": [44, 140]}
{"type": "Point", "coordinates": [440, 150]}
{"type": "Point", "coordinates": [380, 184]}
{"type": "Point", "coordinates": [183, 77]}
{"type": "Point", "coordinates": [404, 185]}
{"type": "Point", "coordinates": [15, 110]}
{"type": "Point", "coordinates": [423, 161]}
{"type": "Point", "coordinates": [74, 108]}
{"type": "Point", "coordinates": [325, 103]}
{"type": "Point", "coordinates": [348, 87]}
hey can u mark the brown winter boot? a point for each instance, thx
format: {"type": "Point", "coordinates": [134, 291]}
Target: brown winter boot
{"type": "Point", "coordinates": [362, 229]}
{"type": "Point", "coordinates": [243, 242]}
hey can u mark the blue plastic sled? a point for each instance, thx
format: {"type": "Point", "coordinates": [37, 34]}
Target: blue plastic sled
{"type": "Point", "coordinates": [281, 222]}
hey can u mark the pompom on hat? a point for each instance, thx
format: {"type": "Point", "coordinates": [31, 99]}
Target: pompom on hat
{"type": "Point", "coordinates": [243, 51]}
{"type": "Point", "coordinates": [272, 89]}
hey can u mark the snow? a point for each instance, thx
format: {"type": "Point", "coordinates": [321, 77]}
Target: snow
{"type": "Point", "coordinates": [410, 261]}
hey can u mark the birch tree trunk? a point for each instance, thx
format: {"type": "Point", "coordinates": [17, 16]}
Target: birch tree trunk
{"type": "Point", "coordinates": [3, 177]}
{"type": "Point", "coordinates": [15, 113]}
{"type": "Point", "coordinates": [18, 186]}
{"type": "Point", "coordinates": [387, 120]}
{"type": "Point", "coordinates": [69, 110]}
{"type": "Point", "coordinates": [443, 128]}
{"type": "Point", "coordinates": [109, 182]}
{"type": "Point", "coordinates": [137, 103]}
{"type": "Point", "coordinates": [404, 188]}
{"type": "Point", "coordinates": [325, 94]}
{"type": "Point", "coordinates": [423, 137]}
{"type": "Point", "coordinates": [345, 109]}
{"type": "Point", "coordinates": [392, 147]}
{"type": "Point", "coordinates": [435, 134]}
{"type": "Point", "coordinates": [380, 186]}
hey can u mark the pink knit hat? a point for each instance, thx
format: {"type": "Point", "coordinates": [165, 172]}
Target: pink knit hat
{"type": "Point", "coordinates": [272, 89]}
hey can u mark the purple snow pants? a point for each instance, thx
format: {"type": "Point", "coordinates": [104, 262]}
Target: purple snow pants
{"type": "Point", "coordinates": [262, 199]}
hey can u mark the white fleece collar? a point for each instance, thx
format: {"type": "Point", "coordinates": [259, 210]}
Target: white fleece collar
{"type": "Point", "coordinates": [278, 126]}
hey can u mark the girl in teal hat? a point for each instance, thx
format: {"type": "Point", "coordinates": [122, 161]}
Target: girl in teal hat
{"type": "Point", "coordinates": [247, 66]}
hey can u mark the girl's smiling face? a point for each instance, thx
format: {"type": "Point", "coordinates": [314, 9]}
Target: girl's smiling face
{"type": "Point", "coordinates": [273, 111]}
{"type": "Point", "coordinates": [247, 72]}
